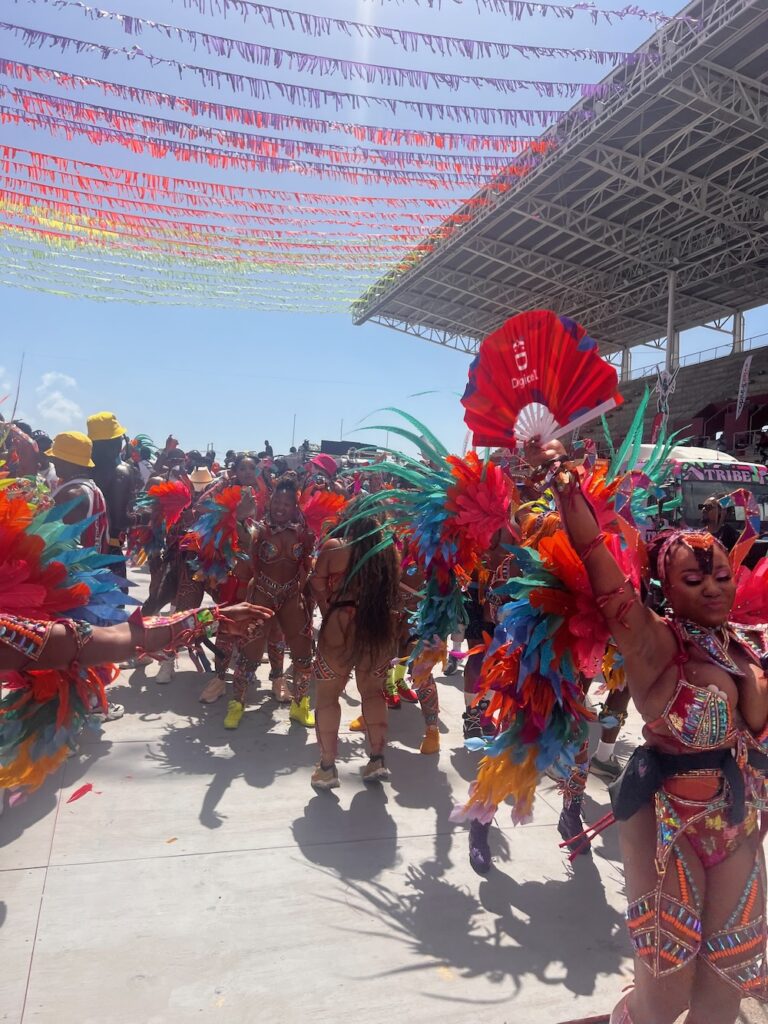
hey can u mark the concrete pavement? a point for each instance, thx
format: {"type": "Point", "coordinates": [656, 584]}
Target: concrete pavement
{"type": "Point", "coordinates": [203, 880]}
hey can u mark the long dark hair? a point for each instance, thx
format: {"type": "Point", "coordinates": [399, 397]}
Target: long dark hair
{"type": "Point", "coordinates": [375, 580]}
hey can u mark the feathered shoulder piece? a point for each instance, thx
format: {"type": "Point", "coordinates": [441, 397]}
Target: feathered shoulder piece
{"type": "Point", "coordinates": [322, 511]}
{"type": "Point", "coordinates": [215, 538]}
{"type": "Point", "coordinates": [161, 507]}
{"type": "Point", "coordinates": [550, 633]}
{"type": "Point", "coordinates": [46, 576]}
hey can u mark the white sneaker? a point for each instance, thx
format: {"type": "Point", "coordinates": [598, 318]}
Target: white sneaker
{"type": "Point", "coordinates": [166, 672]}
{"type": "Point", "coordinates": [113, 712]}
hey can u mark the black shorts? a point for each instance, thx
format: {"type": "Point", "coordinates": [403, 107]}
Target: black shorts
{"type": "Point", "coordinates": [476, 620]}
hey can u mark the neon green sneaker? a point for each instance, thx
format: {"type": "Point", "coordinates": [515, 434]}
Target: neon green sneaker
{"type": "Point", "coordinates": [235, 711]}
{"type": "Point", "coordinates": [302, 713]}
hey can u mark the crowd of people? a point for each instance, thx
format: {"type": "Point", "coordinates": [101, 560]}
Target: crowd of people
{"type": "Point", "coordinates": [291, 555]}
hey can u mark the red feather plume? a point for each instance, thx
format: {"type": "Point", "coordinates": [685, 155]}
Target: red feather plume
{"type": "Point", "coordinates": [322, 511]}
{"type": "Point", "coordinates": [539, 375]}
{"type": "Point", "coordinates": [171, 498]}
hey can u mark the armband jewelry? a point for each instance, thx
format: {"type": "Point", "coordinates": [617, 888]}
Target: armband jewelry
{"type": "Point", "coordinates": [621, 613]}
{"type": "Point", "coordinates": [26, 636]}
{"type": "Point", "coordinates": [81, 632]}
{"type": "Point", "coordinates": [591, 547]}
{"type": "Point", "coordinates": [187, 629]}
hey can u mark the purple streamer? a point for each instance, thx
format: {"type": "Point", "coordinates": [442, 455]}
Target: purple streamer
{"type": "Point", "coordinates": [446, 46]}
{"type": "Point", "coordinates": [275, 56]}
{"type": "Point", "coordinates": [293, 148]}
{"type": "Point", "coordinates": [519, 9]}
{"type": "Point", "coordinates": [311, 96]}
{"type": "Point", "coordinates": [275, 165]}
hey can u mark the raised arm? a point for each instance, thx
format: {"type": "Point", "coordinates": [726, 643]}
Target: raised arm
{"type": "Point", "coordinates": [646, 644]}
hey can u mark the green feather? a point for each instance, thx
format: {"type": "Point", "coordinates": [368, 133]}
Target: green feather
{"type": "Point", "coordinates": [608, 438]}
{"type": "Point", "coordinates": [632, 440]}
{"type": "Point", "coordinates": [422, 429]}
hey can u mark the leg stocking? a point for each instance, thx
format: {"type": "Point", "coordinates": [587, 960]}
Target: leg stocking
{"type": "Point", "coordinates": [737, 952]}
{"type": "Point", "coordinates": [226, 646]}
{"type": "Point", "coordinates": [245, 673]}
{"type": "Point", "coordinates": [430, 706]}
{"type": "Point", "coordinates": [276, 651]}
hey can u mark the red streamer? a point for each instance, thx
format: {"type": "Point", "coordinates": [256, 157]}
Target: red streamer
{"type": "Point", "coordinates": [187, 152]}
{"type": "Point", "coordinates": [108, 218]}
{"type": "Point", "coordinates": [49, 165]}
{"type": "Point", "coordinates": [263, 145]}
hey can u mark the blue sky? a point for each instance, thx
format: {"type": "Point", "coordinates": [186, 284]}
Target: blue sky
{"type": "Point", "coordinates": [232, 377]}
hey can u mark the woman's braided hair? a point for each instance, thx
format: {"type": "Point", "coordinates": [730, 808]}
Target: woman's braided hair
{"type": "Point", "coordinates": [376, 584]}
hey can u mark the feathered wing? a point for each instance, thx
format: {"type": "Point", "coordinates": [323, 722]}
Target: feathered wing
{"type": "Point", "coordinates": [451, 507]}
{"type": "Point", "coordinates": [45, 575]}
{"type": "Point", "coordinates": [550, 634]}
{"type": "Point", "coordinates": [161, 506]}
{"type": "Point", "coordinates": [214, 538]}
{"type": "Point", "coordinates": [322, 511]}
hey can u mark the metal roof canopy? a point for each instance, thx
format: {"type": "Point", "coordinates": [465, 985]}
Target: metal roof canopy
{"type": "Point", "coordinates": [670, 173]}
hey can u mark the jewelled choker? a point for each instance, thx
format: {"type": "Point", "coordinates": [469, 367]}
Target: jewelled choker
{"type": "Point", "coordinates": [715, 643]}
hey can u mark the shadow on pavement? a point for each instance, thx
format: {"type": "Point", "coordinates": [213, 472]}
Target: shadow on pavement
{"type": "Point", "coordinates": [509, 930]}
{"type": "Point", "coordinates": [364, 838]}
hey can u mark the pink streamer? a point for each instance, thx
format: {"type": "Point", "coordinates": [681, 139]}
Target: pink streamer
{"type": "Point", "coordinates": [265, 119]}
{"type": "Point", "coordinates": [187, 152]}
{"type": "Point", "coordinates": [36, 102]}
{"type": "Point", "coordinates": [261, 88]}
{"type": "Point", "coordinates": [321, 25]}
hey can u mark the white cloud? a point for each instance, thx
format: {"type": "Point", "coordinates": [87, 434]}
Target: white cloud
{"type": "Point", "coordinates": [54, 380]}
{"type": "Point", "coordinates": [54, 406]}
{"type": "Point", "coordinates": [57, 408]}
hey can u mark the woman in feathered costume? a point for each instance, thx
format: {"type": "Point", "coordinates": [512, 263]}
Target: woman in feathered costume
{"type": "Point", "coordinates": [56, 653]}
{"type": "Point", "coordinates": [447, 511]}
{"type": "Point", "coordinates": [690, 801]}
{"type": "Point", "coordinates": [280, 558]}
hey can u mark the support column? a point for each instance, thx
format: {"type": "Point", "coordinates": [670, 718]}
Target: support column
{"type": "Point", "coordinates": [738, 332]}
{"type": "Point", "coordinates": [626, 365]}
{"type": "Point", "coordinates": [673, 339]}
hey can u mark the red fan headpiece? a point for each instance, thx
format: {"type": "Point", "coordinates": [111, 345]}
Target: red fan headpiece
{"type": "Point", "coordinates": [539, 375]}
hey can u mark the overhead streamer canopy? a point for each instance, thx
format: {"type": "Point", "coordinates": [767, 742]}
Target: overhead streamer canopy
{"type": "Point", "coordinates": [154, 162]}
{"type": "Point", "coordinates": [663, 188]}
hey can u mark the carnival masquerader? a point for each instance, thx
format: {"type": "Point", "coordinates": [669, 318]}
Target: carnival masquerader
{"type": "Point", "coordinates": [479, 625]}
{"type": "Point", "coordinates": [356, 584]}
{"type": "Point", "coordinates": [612, 717]}
{"type": "Point", "coordinates": [71, 454]}
{"type": "Point", "coordinates": [220, 544]}
{"type": "Point", "coordinates": [280, 563]}
{"type": "Point", "coordinates": [188, 585]}
{"type": "Point", "coordinates": [396, 688]}
{"type": "Point", "coordinates": [689, 801]}
{"type": "Point", "coordinates": [114, 478]}
{"type": "Point", "coordinates": [57, 645]}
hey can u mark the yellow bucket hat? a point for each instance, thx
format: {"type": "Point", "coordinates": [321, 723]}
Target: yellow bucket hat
{"type": "Point", "coordinates": [104, 426]}
{"type": "Point", "coordinates": [73, 447]}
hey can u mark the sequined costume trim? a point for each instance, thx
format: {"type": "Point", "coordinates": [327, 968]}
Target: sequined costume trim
{"type": "Point", "coordinates": [27, 636]}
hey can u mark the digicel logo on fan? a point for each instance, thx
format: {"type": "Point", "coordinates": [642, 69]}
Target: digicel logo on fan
{"type": "Point", "coordinates": [521, 362]}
